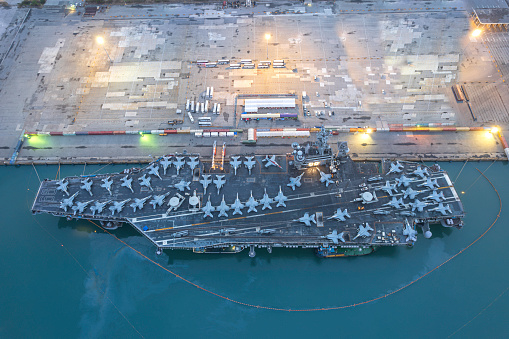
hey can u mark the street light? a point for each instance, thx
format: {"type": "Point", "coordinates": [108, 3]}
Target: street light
{"type": "Point", "coordinates": [100, 41]}
{"type": "Point", "coordinates": [476, 33]}
{"type": "Point", "coordinates": [267, 37]}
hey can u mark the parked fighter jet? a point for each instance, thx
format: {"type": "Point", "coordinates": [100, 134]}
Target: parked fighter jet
{"type": "Point", "coordinates": [62, 186]}
{"type": "Point", "coordinates": [235, 163]}
{"type": "Point", "coordinates": [307, 219]}
{"type": "Point", "coordinates": [266, 201]}
{"type": "Point", "coordinates": [139, 203]}
{"type": "Point", "coordinates": [193, 162]}
{"type": "Point", "coordinates": [295, 182]}
{"type": "Point", "coordinates": [340, 215]}
{"type": "Point", "coordinates": [280, 198]}
{"type": "Point", "coordinates": [166, 162]}
{"type": "Point", "coordinates": [251, 204]}
{"type": "Point", "coordinates": [179, 163]}
{"type": "Point", "coordinates": [99, 206]}
{"type": "Point", "coordinates": [326, 178]}
{"type": "Point", "coordinates": [442, 209]}
{"type": "Point", "coordinates": [219, 181]}
{"type": "Point", "coordinates": [87, 185]}
{"type": "Point", "coordinates": [68, 202]}
{"type": "Point", "coordinates": [126, 182]}
{"type": "Point", "coordinates": [402, 180]}
{"type": "Point", "coordinates": [408, 213]}
{"type": "Point", "coordinates": [271, 161]}
{"type": "Point", "coordinates": [237, 206]}
{"type": "Point", "coordinates": [363, 231]}
{"type": "Point", "coordinates": [395, 168]}
{"type": "Point", "coordinates": [375, 178]}
{"type": "Point", "coordinates": [223, 208]}
{"type": "Point", "coordinates": [410, 193]}
{"type": "Point", "coordinates": [421, 172]}
{"type": "Point", "coordinates": [154, 170]}
{"type": "Point", "coordinates": [145, 181]}
{"type": "Point", "coordinates": [158, 200]}
{"type": "Point", "coordinates": [335, 237]}
{"type": "Point", "coordinates": [107, 182]}
{"type": "Point", "coordinates": [208, 209]}
{"type": "Point", "coordinates": [118, 206]}
{"type": "Point", "coordinates": [182, 185]}
{"type": "Point", "coordinates": [381, 212]}
{"type": "Point", "coordinates": [389, 188]}
{"type": "Point", "coordinates": [411, 234]}
{"type": "Point", "coordinates": [436, 196]}
{"type": "Point", "coordinates": [419, 205]}
{"type": "Point", "coordinates": [395, 203]}
{"type": "Point", "coordinates": [80, 206]}
{"type": "Point", "coordinates": [430, 183]}
{"type": "Point", "coordinates": [250, 163]}
{"type": "Point", "coordinates": [205, 182]}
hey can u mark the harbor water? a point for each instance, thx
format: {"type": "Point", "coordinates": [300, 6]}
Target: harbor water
{"type": "Point", "coordinates": [70, 279]}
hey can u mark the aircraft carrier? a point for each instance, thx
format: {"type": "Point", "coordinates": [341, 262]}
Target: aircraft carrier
{"type": "Point", "coordinates": [312, 197]}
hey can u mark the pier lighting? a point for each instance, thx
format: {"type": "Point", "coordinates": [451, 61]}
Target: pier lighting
{"type": "Point", "coordinates": [27, 136]}
{"type": "Point", "coordinates": [140, 133]}
{"type": "Point", "coordinates": [476, 33]}
{"type": "Point", "coordinates": [494, 130]}
{"type": "Point", "coordinates": [100, 41]}
{"type": "Point", "coordinates": [369, 130]}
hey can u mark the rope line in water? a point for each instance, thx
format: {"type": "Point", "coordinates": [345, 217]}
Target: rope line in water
{"type": "Point", "coordinates": [482, 173]}
{"type": "Point", "coordinates": [322, 308]}
{"type": "Point", "coordinates": [38, 177]}
{"type": "Point", "coordinates": [460, 171]}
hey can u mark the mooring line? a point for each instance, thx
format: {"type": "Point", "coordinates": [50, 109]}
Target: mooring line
{"type": "Point", "coordinates": [460, 172]}
{"type": "Point", "coordinates": [482, 173]}
{"type": "Point", "coordinates": [38, 177]}
{"type": "Point", "coordinates": [322, 308]}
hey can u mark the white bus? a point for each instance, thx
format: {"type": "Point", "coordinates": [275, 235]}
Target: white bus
{"type": "Point", "coordinates": [263, 66]}
{"type": "Point", "coordinates": [246, 61]}
{"type": "Point", "coordinates": [187, 105]}
{"type": "Point", "coordinates": [201, 62]}
{"type": "Point", "coordinates": [235, 66]}
{"type": "Point", "coordinates": [265, 62]}
{"type": "Point", "coordinates": [204, 123]}
{"type": "Point", "coordinates": [279, 62]}
{"type": "Point", "coordinates": [248, 66]}
{"type": "Point", "coordinates": [204, 119]}
{"type": "Point", "coordinates": [210, 64]}
{"type": "Point", "coordinates": [223, 62]}
{"type": "Point", "coordinates": [274, 65]}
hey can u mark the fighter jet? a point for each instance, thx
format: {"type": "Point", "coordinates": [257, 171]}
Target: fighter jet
{"type": "Point", "coordinates": [80, 206]}
{"type": "Point", "coordinates": [178, 163]}
{"type": "Point", "coordinates": [235, 163]}
{"type": "Point", "coordinates": [126, 182]}
{"type": "Point", "coordinates": [267, 231]}
{"type": "Point", "coordinates": [139, 203]}
{"type": "Point", "coordinates": [154, 170]}
{"type": "Point", "coordinates": [419, 205]}
{"type": "Point", "coordinates": [266, 201]}
{"type": "Point", "coordinates": [363, 231]}
{"type": "Point", "coordinates": [223, 208]}
{"type": "Point", "coordinates": [280, 198]}
{"type": "Point", "coordinates": [335, 237]}
{"type": "Point", "coordinates": [407, 213]}
{"type": "Point", "coordinates": [166, 162]}
{"type": "Point", "coordinates": [193, 162]}
{"type": "Point", "coordinates": [411, 234]}
{"type": "Point", "coordinates": [421, 172]}
{"type": "Point", "coordinates": [251, 204]}
{"type": "Point", "coordinates": [295, 182]}
{"type": "Point", "coordinates": [208, 209]}
{"type": "Point", "coordinates": [436, 196]}
{"type": "Point", "coordinates": [87, 185]}
{"type": "Point", "coordinates": [340, 215]}
{"type": "Point", "coordinates": [409, 192]}
{"type": "Point", "coordinates": [442, 209]}
{"type": "Point", "coordinates": [62, 186]}
{"type": "Point", "coordinates": [395, 168]}
{"type": "Point", "coordinates": [375, 178]}
{"type": "Point", "coordinates": [271, 161]}
{"type": "Point", "coordinates": [118, 206]}
{"type": "Point", "coordinates": [182, 185]}
{"type": "Point", "coordinates": [68, 202]}
{"type": "Point", "coordinates": [250, 163]}
{"type": "Point", "coordinates": [219, 182]}
{"type": "Point", "coordinates": [145, 181]}
{"type": "Point", "coordinates": [237, 206]}
{"type": "Point", "coordinates": [107, 184]}
{"type": "Point", "coordinates": [99, 206]}
{"type": "Point", "coordinates": [402, 180]}
{"type": "Point", "coordinates": [205, 182]}
{"type": "Point", "coordinates": [430, 183]}
{"type": "Point", "coordinates": [389, 188]}
{"type": "Point", "coordinates": [326, 178]}
{"type": "Point", "coordinates": [306, 219]}
{"type": "Point", "coordinates": [395, 203]}
{"type": "Point", "coordinates": [381, 212]}
{"type": "Point", "coordinates": [158, 200]}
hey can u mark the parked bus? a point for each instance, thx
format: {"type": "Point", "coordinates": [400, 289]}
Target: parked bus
{"type": "Point", "coordinates": [235, 66]}
{"type": "Point", "coordinates": [458, 93]}
{"type": "Point", "coordinates": [204, 119]}
{"type": "Point", "coordinates": [263, 66]}
{"type": "Point", "coordinates": [210, 64]}
{"type": "Point", "coordinates": [223, 62]}
{"type": "Point", "coordinates": [266, 62]}
{"type": "Point", "coordinates": [249, 66]}
{"type": "Point", "coordinates": [279, 62]}
{"type": "Point", "coordinates": [204, 123]}
{"type": "Point", "coordinates": [201, 62]}
{"type": "Point", "coordinates": [246, 61]}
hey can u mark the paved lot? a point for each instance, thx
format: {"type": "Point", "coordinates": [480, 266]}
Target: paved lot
{"type": "Point", "coordinates": [371, 63]}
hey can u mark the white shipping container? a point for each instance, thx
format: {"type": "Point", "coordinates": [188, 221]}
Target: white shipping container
{"type": "Point", "coordinates": [222, 134]}
{"type": "Point", "coordinates": [206, 134]}
{"type": "Point", "coordinates": [230, 134]}
{"type": "Point", "coordinates": [206, 106]}
{"type": "Point", "coordinates": [202, 107]}
{"type": "Point", "coordinates": [211, 92]}
{"type": "Point", "coordinates": [198, 134]}
{"type": "Point", "coordinates": [208, 92]}
{"type": "Point", "coordinates": [218, 111]}
{"type": "Point", "coordinates": [215, 108]}
{"type": "Point", "coordinates": [214, 134]}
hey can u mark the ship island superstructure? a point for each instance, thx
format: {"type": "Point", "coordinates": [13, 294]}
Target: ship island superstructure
{"type": "Point", "coordinates": [311, 197]}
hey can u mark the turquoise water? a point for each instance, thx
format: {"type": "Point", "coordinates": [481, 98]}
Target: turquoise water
{"type": "Point", "coordinates": [69, 279]}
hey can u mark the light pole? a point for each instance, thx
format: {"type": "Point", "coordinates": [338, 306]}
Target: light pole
{"type": "Point", "coordinates": [100, 41]}
{"type": "Point", "coordinates": [267, 37]}
{"type": "Point", "coordinates": [477, 32]}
